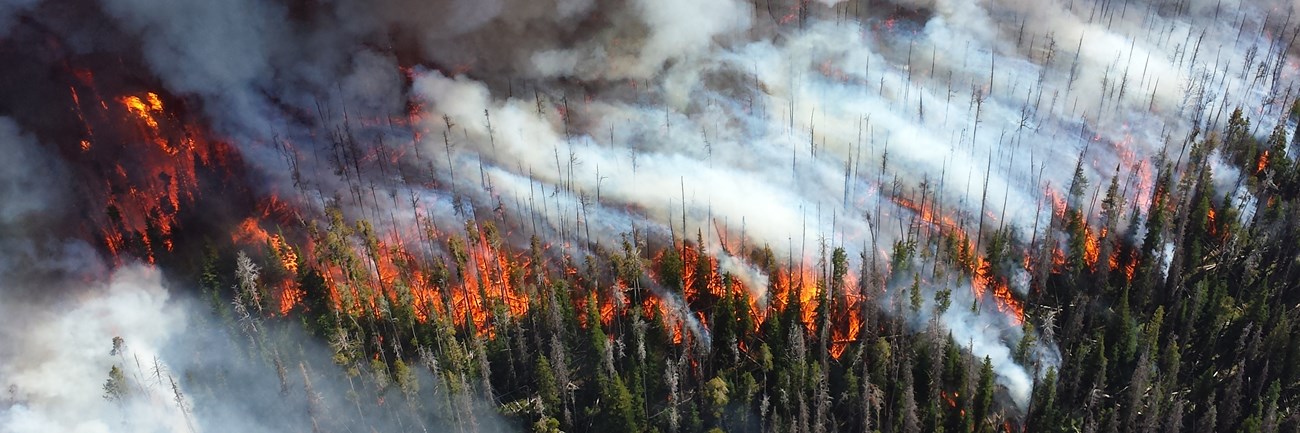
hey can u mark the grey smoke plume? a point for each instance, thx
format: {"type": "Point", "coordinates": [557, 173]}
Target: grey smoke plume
{"type": "Point", "coordinates": [9, 9]}
{"type": "Point", "coordinates": [787, 127]}
{"type": "Point", "coordinates": [28, 195]}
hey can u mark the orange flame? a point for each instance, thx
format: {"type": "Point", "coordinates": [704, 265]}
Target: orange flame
{"type": "Point", "coordinates": [1091, 247]}
{"type": "Point", "coordinates": [146, 110]}
{"type": "Point", "coordinates": [1130, 268]}
{"type": "Point", "coordinates": [981, 283]}
{"type": "Point", "coordinates": [142, 205]}
{"type": "Point", "coordinates": [1008, 304]}
{"type": "Point", "coordinates": [250, 233]}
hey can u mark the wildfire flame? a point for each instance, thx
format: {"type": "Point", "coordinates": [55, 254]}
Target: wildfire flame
{"type": "Point", "coordinates": [1091, 246]}
{"type": "Point", "coordinates": [143, 189]}
{"type": "Point", "coordinates": [147, 109]}
{"type": "Point", "coordinates": [983, 282]}
{"type": "Point", "coordinates": [492, 280]}
{"type": "Point", "coordinates": [287, 291]}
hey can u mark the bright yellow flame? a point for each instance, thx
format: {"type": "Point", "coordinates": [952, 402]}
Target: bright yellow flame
{"type": "Point", "coordinates": [144, 111]}
{"type": "Point", "coordinates": [155, 104]}
{"type": "Point", "coordinates": [1092, 247]}
{"type": "Point", "coordinates": [146, 108]}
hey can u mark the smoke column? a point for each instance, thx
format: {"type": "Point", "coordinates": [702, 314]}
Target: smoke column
{"type": "Point", "coordinates": [791, 125]}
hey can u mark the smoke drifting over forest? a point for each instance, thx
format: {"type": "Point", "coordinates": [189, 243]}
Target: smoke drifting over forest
{"type": "Point", "coordinates": [798, 126]}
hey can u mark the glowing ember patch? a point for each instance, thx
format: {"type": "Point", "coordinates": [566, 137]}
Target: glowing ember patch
{"type": "Point", "coordinates": [1262, 163]}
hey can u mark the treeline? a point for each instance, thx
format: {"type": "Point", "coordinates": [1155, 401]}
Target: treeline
{"type": "Point", "coordinates": [1177, 313]}
{"type": "Point", "coordinates": [1194, 325]}
{"type": "Point", "coordinates": [587, 357]}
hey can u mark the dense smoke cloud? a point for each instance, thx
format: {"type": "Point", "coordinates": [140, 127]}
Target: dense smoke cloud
{"type": "Point", "coordinates": [786, 126]}
{"type": "Point", "coordinates": [58, 354]}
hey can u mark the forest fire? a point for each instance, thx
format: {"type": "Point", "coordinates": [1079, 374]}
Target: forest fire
{"type": "Point", "coordinates": [1092, 246]}
{"type": "Point", "coordinates": [408, 216]}
{"type": "Point", "coordinates": [145, 189]}
{"type": "Point", "coordinates": [998, 288]}
{"type": "Point", "coordinates": [654, 307]}
{"type": "Point", "coordinates": [283, 257]}
{"type": "Point", "coordinates": [145, 111]}
{"type": "Point", "coordinates": [699, 274]}
{"type": "Point", "coordinates": [1113, 260]}
{"type": "Point", "coordinates": [369, 273]}
{"type": "Point", "coordinates": [983, 282]}
{"type": "Point", "coordinates": [394, 277]}
{"type": "Point", "coordinates": [1008, 304]}
{"type": "Point", "coordinates": [1057, 201]}
{"type": "Point", "coordinates": [1130, 268]}
{"type": "Point", "coordinates": [846, 329]}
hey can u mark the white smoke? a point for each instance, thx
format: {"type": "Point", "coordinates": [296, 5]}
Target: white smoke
{"type": "Point", "coordinates": [57, 357]}
{"type": "Point", "coordinates": [776, 132]}
{"type": "Point", "coordinates": [642, 114]}
{"type": "Point", "coordinates": [60, 308]}
{"type": "Point", "coordinates": [58, 335]}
